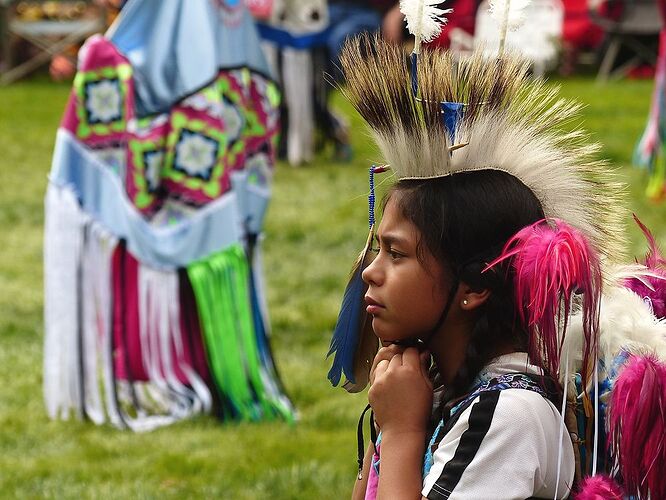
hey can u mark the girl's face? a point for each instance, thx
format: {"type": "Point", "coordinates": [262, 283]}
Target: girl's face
{"type": "Point", "coordinates": [405, 295]}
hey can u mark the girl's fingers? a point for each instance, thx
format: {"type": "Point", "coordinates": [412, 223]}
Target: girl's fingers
{"type": "Point", "coordinates": [381, 367]}
{"type": "Point", "coordinates": [418, 361]}
{"type": "Point", "coordinates": [396, 361]}
{"type": "Point", "coordinates": [385, 353]}
{"type": "Point", "coordinates": [411, 358]}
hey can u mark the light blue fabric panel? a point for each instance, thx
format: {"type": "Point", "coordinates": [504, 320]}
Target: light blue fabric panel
{"type": "Point", "coordinates": [178, 46]}
{"type": "Point", "coordinates": [102, 195]}
{"type": "Point", "coordinates": [252, 201]}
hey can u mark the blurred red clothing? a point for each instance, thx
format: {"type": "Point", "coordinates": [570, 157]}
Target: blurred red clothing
{"type": "Point", "coordinates": [578, 31]}
{"type": "Point", "coordinates": [463, 17]}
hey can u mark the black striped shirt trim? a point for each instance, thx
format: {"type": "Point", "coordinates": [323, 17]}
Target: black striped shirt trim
{"type": "Point", "coordinates": [480, 418]}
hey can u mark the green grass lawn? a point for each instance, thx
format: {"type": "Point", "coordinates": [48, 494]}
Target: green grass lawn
{"type": "Point", "coordinates": [315, 227]}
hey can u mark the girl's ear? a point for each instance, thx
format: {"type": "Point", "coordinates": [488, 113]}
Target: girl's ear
{"type": "Point", "coordinates": [471, 298]}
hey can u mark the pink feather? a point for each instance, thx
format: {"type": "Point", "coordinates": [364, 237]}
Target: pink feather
{"type": "Point", "coordinates": [656, 263]}
{"type": "Point", "coordinates": [552, 261]}
{"type": "Point", "coordinates": [637, 425]}
{"type": "Point", "coordinates": [599, 488]}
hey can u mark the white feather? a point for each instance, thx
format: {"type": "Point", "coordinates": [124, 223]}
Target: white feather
{"type": "Point", "coordinates": [515, 15]}
{"type": "Point", "coordinates": [626, 322]}
{"type": "Point", "coordinates": [425, 24]}
{"type": "Point", "coordinates": [635, 271]}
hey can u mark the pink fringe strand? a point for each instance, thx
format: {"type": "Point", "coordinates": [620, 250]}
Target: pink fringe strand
{"type": "Point", "coordinates": [553, 261]}
{"type": "Point", "coordinates": [599, 488]}
{"type": "Point", "coordinates": [637, 424]}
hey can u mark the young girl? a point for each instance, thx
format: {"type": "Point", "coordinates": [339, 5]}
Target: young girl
{"type": "Point", "coordinates": [424, 284]}
{"type": "Point", "coordinates": [494, 224]}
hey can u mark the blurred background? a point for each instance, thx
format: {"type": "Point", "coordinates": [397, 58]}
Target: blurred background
{"type": "Point", "coordinates": [604, 54]}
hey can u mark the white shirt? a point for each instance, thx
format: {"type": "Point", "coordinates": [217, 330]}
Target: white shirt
{"type": "Point", "coordinates": [505, 445]}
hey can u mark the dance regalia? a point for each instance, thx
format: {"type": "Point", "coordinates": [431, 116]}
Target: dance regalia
{"type": "Point", "coordinates": [154, 307]}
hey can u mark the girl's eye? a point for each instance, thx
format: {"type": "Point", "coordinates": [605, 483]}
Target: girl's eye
{"type": "Point", "coordinates": [394, 255]}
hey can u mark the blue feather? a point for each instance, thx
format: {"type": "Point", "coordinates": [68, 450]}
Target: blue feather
{"type": "Point", "coordinates": [414, 73]}
{"type": "Point", "coordinates": [348, 328]}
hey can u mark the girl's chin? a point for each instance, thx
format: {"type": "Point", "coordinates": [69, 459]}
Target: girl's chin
{"type": "Point", "coordinates": [385, 334]}
{"type": "Point", "coordinates": [379, 327]}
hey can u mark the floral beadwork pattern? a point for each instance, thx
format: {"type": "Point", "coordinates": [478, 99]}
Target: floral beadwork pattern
{"type": "Point", "coordinates": [236, 116]}
{"type": "Point", "coordinates": [102, 94]}
{"type": "Point", "coordinates": [103, 101]}
{"type": "Point", "coordinates": [145, 151]}
{"type": "Point", "coordinates": [194, 159]}
{"type": "Point", "coordinates": [196, 154]}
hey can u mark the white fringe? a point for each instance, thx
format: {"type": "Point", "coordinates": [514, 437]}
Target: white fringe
{"type": "Point", "coordinates": [95, 319]}
{"type": "Point", "coordinates": [63, 239]}
{"type": "Point", "coordinates": [78, 319]}
{"type": "Point", "coordinates": [99, 249]}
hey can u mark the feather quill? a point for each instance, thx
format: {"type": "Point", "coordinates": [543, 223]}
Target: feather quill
{"type": "Point", "coordinates": [510, 14]}
{"type": "Point", "coordinates": [348, 335]}
{"type": "Point", "coordinates": [424, 21]}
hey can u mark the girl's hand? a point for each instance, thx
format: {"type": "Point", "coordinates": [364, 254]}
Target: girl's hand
{"type": "Point", "coordinates": [385, 353]}
{"type": "Point", "coordinates": [401, 392]}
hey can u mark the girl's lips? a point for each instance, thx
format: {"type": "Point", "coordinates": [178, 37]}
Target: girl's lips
{"type": "Point", "coordinates": [373, 307]}
{"type": "Point", "coordinates": [373, 310]}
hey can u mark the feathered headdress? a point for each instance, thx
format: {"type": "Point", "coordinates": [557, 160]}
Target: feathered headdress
{"type": "Point", "coordinates": [511, 123]}
{"type": "Point", "coordinates": [445, 116]}
{"type": "Point", "coordinates": [437, 116]}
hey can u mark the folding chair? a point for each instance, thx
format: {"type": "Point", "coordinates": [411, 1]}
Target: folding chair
{"type": "Point", "coordinates": [50, 37]}
{"type": "Point", "coordinates": [639, 18]}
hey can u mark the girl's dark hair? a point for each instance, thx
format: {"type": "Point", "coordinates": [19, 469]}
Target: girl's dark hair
{"type": "Point", "coordinates": [465, 219]}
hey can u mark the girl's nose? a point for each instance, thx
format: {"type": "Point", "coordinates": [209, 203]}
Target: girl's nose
{"type": "Point", "coordinates": [371, 274]}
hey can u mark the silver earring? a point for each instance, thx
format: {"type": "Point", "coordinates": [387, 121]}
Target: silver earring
{"type": "Point", "coordinates": [465, 302]}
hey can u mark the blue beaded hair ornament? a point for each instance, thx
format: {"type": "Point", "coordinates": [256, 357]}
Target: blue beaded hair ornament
{"type": "Point", "coordinates": [354, 342]}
